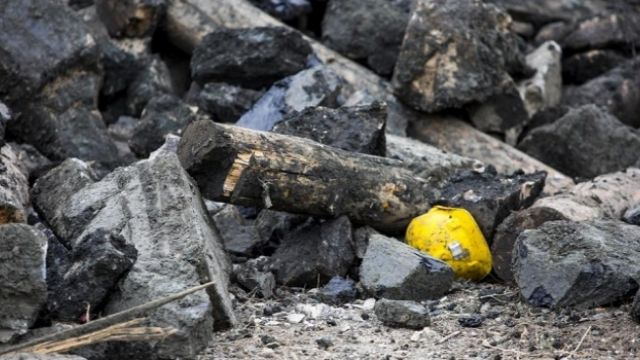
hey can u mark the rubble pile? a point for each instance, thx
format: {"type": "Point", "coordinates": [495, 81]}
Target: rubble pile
{"type": "Point", "coordinates": [275, 152]}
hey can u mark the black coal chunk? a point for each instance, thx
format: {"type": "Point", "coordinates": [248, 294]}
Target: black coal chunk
{"type": "Point", "coordinates": [252, 58]}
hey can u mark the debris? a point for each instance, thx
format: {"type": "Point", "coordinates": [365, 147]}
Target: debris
{"type": "Point", "coordinates": [402, 313]}
{"type": "Point", "coordinates": [324, 343]}
{"type": "Point", "coordinates": [295, 318]}
{"type": "Point", "coordinates": [23, 287]}
{"type": "Point", "coordinates": [358, 129]}
{"type": "Point", "coordinates": [317, 86]}
{"type": "Point", "coordinates": [607, 196]}
{"type": "Point", "coordinates": [315, 253]}
{"type": "Point", "coordinates": [363, 187]}
{"type": "Point", "coordinates": [223, 102]}
{"type": "Point", "coordinates": [251, 58]}
{"type": "Point", "coordinates": [338, 291]}
{"type": "Point", "coordinates": [573, 143]}
{"type": "Point", "coordinates": [578, 264]}
{"type": "Point", "coordinates": [455, 52]}
{"type": "Point", "coordinates": [471, 321]}
{"type": "Point", "coordinates": [392, 269]}
{"type": "Point", "coordinates": [367, 29]}
{"type": "Point", "coordinates": [453, 236]}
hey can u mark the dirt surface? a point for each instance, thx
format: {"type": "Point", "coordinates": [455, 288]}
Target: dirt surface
{"type": "Point", "coordinates": [510, 330]}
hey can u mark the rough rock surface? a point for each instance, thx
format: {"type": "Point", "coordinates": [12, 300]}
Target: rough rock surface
{"type": "Point", "coordinates": [149, 205]}
{"type": "Point", "coordinates": [577, 264]}
{"type": "Point", "coordinates": [575, 144]}
{"type": "Point", "coordinates": [618, 90]}
{"type": "Point", "coordinates": [162, 116]}
{"type": "Point", "coordinates": [367, 29]}
{"type": "Point", "coordinates": [358, 129]}
{"type": "Point", "coordinates": [251, 58]}
{"type": "Point", "coordinates": [254, 276]}
{"type": "Point", "coordinates": [315, 253]}
{"type": "Point", "coordinates": [338, 291]}
{"type": "Point", "coordinates": [402, 314]}
{"type": "Point", "coordinates": [582, 67]}
{"type": "Point", "coordinates": [224, 102]}
{"type": "Point", "coordinates": [455, 52]}
{"type": "Point", "coordinates": [14, 185]}
{"type": "Point", "coordinates": [240, 237]}
{"type": "Point", "coordinates": [153, 80]}
{"type": "Point", "coordinates": [317, 86]}
{"type": "Point", "coordinates": [621, 30]}
{"type": "Point", "coordinates": [392, 269]}
{"type": "Point", "coordinates": [23, 287]}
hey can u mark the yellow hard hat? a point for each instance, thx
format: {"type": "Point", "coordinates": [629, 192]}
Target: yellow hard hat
{"type": "Point", "coordinates": [453, 236]}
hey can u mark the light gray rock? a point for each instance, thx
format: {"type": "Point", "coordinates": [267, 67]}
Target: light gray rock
{"type": "Point", "coordinates": [577, 264]}
{"type": "Point", "coordinates": [154, 205]}
{"type": "Point", "coordinates": [392, 269]}
{"type": "Point", "coordinates": [318, 86]}
{"type": "Point", "coordinates": [23, 287]}
{"type": "Point", "coordinates": [402, 314]}
{"type": "Point", "coordinates": [544, 89]}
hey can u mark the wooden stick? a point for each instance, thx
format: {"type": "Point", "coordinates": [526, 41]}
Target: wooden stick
{"type": "Point", "coordinates": [188, 21]}
{"type": "Point", "coordinates": [105, 322]}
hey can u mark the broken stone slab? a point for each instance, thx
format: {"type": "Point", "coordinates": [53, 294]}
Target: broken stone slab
{"type": "Point", "coordinates": [402, 314]}
{"type": "Point", "coordinates": [605, 197]}
{"type": "Point", "coordinates": [153, 80]}
{"type": "Point", "coordinates": [163, 115]}
{"type": "Point", "coordinates": [455, 52]}
{"type": "Point", "coordinates": [574, 143]}
{"type": "Point", "coordinates": [338, 291]}
{"type": "Point", "coordinates": [503, 114]}
{"type": "Point", "coordinates": [490, 198]}
{"type": "Point", "coordinates": [617, 90]}
{"type": "Point", "coordinates": [358, 129]}
{"type": "Point", "coordinates": [252, 58]}
{"type": "Point", "coordinates": [370, 30]}
{"type": "Point", "coordinates": [14, 186]}
{"type": "Point", "coordinates": [223, 102]}
{"type": "Point", "coordinates": [317, 86]}
{"type": "Point", "coordinates": [392, 269]}
{"type": "Point", "coordinates": [312, 255]}
{"type": "Point", "coordinates": [150, 204]}
{"type": "Point", "coordinates": [284, 9]}
{"type": "Point", "coordinates": [23, 287]}
{"type": "Point", "coordinates": [29, 356]}
{"type": "Point", "coordinates": [544, 89]}
{"type": "Point", "coordinates": [577, 264]}
{"type": "Point", "coordinates": [131, 18]}
{"type": "Point", "coordinates": [582, 67]}
{"type": "Point", "coordinates": [240, 237]}
{"type": "Point", "coordinates": [254, 276]}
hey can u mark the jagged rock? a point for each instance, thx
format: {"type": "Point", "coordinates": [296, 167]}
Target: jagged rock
{"type": "Point", "coordinates": [367, 29]}
{"type": "Point", "coordinates": [254, 276]}
{"type": "Point", "coordinates": [154, 80]}
{"type": "Point", "coordinates": [154, 206]}
{"type": "Point", "coordinates": [224, 102]}
{"type": "Point", "coordinates": [14, 185]}
{"type": "Point", "coordinates": [274, 225]}
{"type": "Point", "coordinates": [361, 239]}
{"type": "Point", "coordinates": [26, 356]}
{"type": "Point", "coordinates": [240, 237]}
{"type": "Point", "coordinates": [490, 198]}
{"type": "Point", "coordinates": [618, 90]}
{"type": "Point", "coordinates": [318, 86]}
{"type": "Point", "coordinates": [574, 143]}
{"type": "Point", "coordinates": [54, 188]}
{"type": "Point", "coordinates": [605, 31]}
{"type": "Point", "coordinates": [5, 116]}
{"type": "Point", "coordinates": [338, 291]}
{"type": "Point", "coordinates": [582, 67]}
{"type": "Point", "coordinates": [455, 52]}
{"type": "Point", "coordinates": [544, 89]}
{"type": "Point", "coordinates": [130, 18]}
{"type": "Point", "coordinates": [632, 216]}
{"type": "Point", "coordinates": [357, 129]}
{"type": "Point", "coordinates": [54, 85]}
{"type": "Point", "coordinates": [284, 9]}
{"type": "Point", "coordinates": [252, 58]}
{"type": "Point", "coordinates": [163, 115]}
{"type": "Point", "coordinates": [402, 314]}
{"type": "Point", "coordinates": [504, 113]}
{"type": "Point", "coordinates": [32, 162]}
{"type": "Point", "coordinates": [577, 264]}
{"type": "Point", "coordinates": [392, 269]}
{"type": "Point", "coordinates": [315, 253]}
{"type": "Point", "coordinates": [23, 287]}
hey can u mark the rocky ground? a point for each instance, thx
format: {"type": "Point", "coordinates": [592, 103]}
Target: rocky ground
{"type": "Point", "coordinates": [473, 321]}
